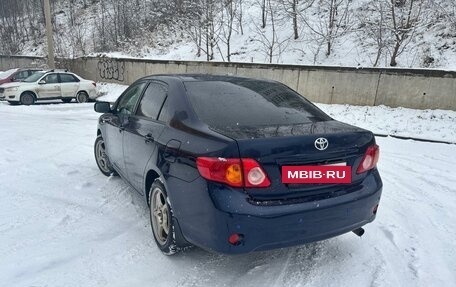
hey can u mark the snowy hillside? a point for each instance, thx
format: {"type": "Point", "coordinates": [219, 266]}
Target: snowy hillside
{"type": "Point", "coordinates": [62, 223]}
{"type": "Point", "coordinates": [323, 32]}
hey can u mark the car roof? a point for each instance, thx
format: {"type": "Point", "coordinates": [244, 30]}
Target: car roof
{"type": "Point", "coordinates": [204, 77]}
{"type": "Point", "coordinates": [58, 71]}
{"type": "Point", "coordinates": [31, 69]}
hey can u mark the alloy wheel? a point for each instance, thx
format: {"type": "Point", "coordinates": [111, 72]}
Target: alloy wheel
{"type": "Point", "coordinates": [101, 157]}
{"type": "Point", "coordinates": [160, 216]}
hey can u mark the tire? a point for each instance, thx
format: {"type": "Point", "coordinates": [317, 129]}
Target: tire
{"type": "Point", "coordinates": [82, 97]}
{"type": "Point", "coordinates": [101, 157]}
{"type": "Point", "coordinates": [67, 100]}
{"type": "Point", "coordinates": [161, 219]}
{"type": "Point", "coordinates": [28, 99]}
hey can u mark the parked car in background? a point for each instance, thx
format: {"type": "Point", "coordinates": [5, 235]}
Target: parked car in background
{"type": "Point", "coordinates": [16, 75]}
{"type": "Point", "coordinates": [235, 165]}
{"type": "Point", "coordinates": [49, 85]}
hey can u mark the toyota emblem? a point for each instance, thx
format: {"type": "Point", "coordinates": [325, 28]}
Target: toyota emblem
{"type": "Point", "coordinates": [321, 143]}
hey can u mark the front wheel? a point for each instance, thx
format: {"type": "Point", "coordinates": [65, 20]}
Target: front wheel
{"type": "Point", "coordinates": [27, 99]}
{"type": "Point", "coordinates": [161, 218]}
{"type": "Point", "coordinates": [102, 158]}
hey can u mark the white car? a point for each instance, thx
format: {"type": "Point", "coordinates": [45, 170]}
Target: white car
{"type": "Point", "coordinates": [49, 85]}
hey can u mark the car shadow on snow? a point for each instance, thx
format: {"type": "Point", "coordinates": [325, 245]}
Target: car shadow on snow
{"type": "Point", "coordinates": [49, 102]}
{"type": "Point", "coordinates": [280, 267]}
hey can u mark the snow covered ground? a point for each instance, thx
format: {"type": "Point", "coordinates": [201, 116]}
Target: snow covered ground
{"type": "Point", "coordinates": [62, 223]}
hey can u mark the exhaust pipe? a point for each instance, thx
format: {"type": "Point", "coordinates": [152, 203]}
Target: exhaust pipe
{"type": "Point", "coordinates": [359, 231]}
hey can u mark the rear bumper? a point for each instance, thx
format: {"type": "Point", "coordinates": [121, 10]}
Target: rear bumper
{"type": "Point", "coordinates": [93, 94]}
{"type": "Point", "coordinates": [268, 227]}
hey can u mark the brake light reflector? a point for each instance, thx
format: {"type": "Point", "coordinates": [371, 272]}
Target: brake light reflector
{"type": "Point", "coordinates": [235, 172]}
{"type": "Point", "coordinates": [369, 160]}
{"type": "Point", "coordinates": [235, 239]}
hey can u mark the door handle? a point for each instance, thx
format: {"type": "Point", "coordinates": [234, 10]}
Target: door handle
{"type": "Point", "coordinates": [149, 138]}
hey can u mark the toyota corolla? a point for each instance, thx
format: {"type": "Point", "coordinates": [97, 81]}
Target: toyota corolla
{"type": "Point", "coordinates": [235, 165]}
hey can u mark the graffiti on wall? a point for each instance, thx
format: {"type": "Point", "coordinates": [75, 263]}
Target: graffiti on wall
{"type": "Point", "coordinates": [110, 69]}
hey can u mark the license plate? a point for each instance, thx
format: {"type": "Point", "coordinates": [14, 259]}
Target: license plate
{"type": "Point", "coordinates": [317, 174]}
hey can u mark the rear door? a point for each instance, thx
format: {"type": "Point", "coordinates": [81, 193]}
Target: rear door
{"type": "Point", "coordinates": [116, 122]}
{"type": "Point", "coordinates": [69, 85]}
{"type": "Point", "coordinates": [49, 87]}
{"type": "Point", "coordinates": [143, 131]}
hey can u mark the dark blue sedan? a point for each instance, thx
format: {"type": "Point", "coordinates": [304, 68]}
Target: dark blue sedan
{"type": "Point", "coordinates": [235, 165]}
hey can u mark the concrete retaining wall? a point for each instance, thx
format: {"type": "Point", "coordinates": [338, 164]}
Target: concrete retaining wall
{"type": "Point", "coordinates": [412, 88]}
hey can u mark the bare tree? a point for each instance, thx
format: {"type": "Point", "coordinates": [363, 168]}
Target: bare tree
{"type": "Point", "coordinates": [263, 14]}
{"type": "Point", "coordinates": [204, 25]}
{"type": "Point", "coordinates": [373, 30]}
{"type": "Point", "coordinates": [239, 16]}
{"type": "Point", "coordinates": [14, 30]}
{"type": "Point", "coordinates": [228, 15]}
{"type": "Point", "coordinates": [270, 43]}
{"type": "Point", "coordinates": [334, 22]}
{"type": "Point", "coordinates": [294, 9]}
{"type": "Point", "coordinates": [404, 20]}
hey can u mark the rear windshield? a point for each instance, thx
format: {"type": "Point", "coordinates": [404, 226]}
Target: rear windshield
{"type": "Point", "coordinates": [6, 74]}
{"type": "Point", "coordinates": [231, 104]}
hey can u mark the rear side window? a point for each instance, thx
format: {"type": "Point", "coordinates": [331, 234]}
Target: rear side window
{"type": "Point", "coordinates": [249, 103]}
{"type": "Point", "coordinates": [67, 78]}
{"type": "Point", "coordinates": [152, 101]}
{"type": "Point", "coordinates": [165, 113]}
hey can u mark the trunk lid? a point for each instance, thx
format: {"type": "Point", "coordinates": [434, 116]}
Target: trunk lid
{"type": "Point", "coordinates": [274, 147]}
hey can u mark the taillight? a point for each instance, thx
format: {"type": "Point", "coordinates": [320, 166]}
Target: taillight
{"type": "Point", "coordinates": [370, 159]}
{"type": "Point", "coordinates": [235, 172]}
{"type": "Point", "coordinates": [253, 173]}
{"type": "Point", "coordinates": [221, 170]}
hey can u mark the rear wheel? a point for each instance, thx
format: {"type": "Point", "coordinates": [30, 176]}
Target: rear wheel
{"type": "Point", "coordinates": [102, 158]}
{"type": "Point", "coordinates": [27, 99]}
{"type": "Point", "coordinates": [82, 97]}
{"type": "Point", "coordinates": [66, 100]}
{"type": "Point", "coordinates": [161, 218]}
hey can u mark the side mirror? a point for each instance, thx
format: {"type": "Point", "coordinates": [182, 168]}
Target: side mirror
{"type": "Point", "coordinates": [102, 107]}
{"type": "Point", "coordinates": [13, 79]}
{"type": "Point", "coordinates": [42, 82]}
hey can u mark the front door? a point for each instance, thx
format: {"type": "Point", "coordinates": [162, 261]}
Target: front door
{"type": "Point", "coordinates": [49, 87]}
{"type": "Point", "coordinates": [116, 122]}
{"type": "Point", "coordinates": [142, 134]}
